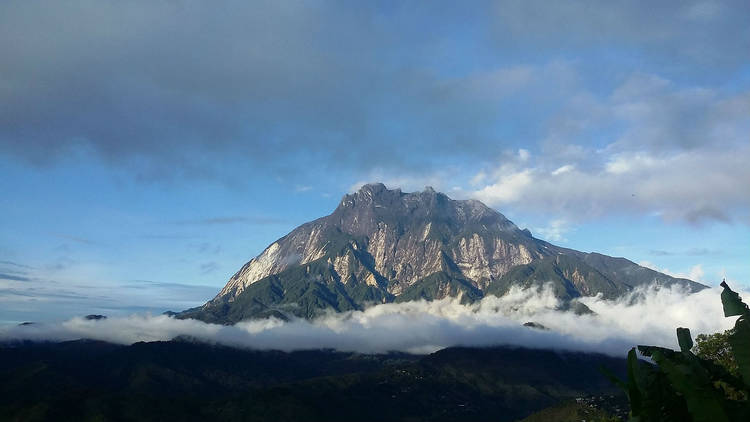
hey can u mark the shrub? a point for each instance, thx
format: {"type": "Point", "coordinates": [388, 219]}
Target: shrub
{"type": "Point", "coordinates": [711, 385]}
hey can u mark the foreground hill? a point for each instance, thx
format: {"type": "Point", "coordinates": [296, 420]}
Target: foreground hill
{"type": "Point", "coordinates": [181, 380]}
{"type": "Point", "coordinates": [382, 245]}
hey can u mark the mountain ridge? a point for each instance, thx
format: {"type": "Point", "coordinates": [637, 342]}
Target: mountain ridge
{"type": "Point", "coordinates": [381, 245]}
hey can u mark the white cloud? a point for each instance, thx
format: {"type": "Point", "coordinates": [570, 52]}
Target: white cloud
{"type": "Point", "coordinates": [523, 154]}
{"type": "Point", "coordinates": [478, 178]}
{"type": "Point", "coordinates": [695, 272]}
{"type": "Point", "coordinates": [663, 149]}
{"type": "Point", "coordinates": [693, 185]}
{"type": "Point", "coordinates": [627, 163]}
{"type": "Point", "coordinates": [442, 180]}
{"type": "Point", "coordinates": [52, 294]}
{"type": "Point", "coordinates": [555, 230]}
{"type": "Point", "coordinates": [423, 327]}
{"type": "Point", "coordinates": [704, 11]}
{"type": "Point", "coordinates": [509, 187]}
{"type": "Point", "coordinates": [564, 169]}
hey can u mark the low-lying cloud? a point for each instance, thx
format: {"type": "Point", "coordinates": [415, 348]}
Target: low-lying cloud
{"type": "Point", "coordinates": [647, 316]}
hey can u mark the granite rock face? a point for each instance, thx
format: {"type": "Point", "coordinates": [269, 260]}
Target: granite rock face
{"type": "Point", "coordinates": [382, 245]}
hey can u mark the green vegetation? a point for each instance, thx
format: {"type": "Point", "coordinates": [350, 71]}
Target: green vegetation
{"type": "Point", "coordinates": [182, 380]}
{"type": "Point", "coordinates": [710, 386]}
{"type": "Point", "coordinates": [566, 275]}
{"type": "Point", "coordinates": [441, 284]}
{"type": "Point", "coordinates": [715, 347]}
{"type": "Point", "coordinates": [572, 411]}
{"type": "Point", "coordinates": [303, 291]}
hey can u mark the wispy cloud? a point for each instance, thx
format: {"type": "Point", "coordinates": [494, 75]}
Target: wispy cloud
{"type": "Point", "coordinates": [172, 236]}
{"type": "Point", "coordinates": [206, 248]}
{"type": "Point", "coordinates": [660, 253]}
{"type": "Point", "coordinates": [42, 299]}
{"type": "Point", "coordinates": [13, 277]}
{"type": "Point", "coordinates": [555, 231]}
{"type": "Point", "coordinates": [77, 239]}
{"type": "Point", "coordinates": [16, 264]}
{"type": "Point", "coordinates": [215, 221]}
{"type": "Point", "coordinates": [208, 267]}
{"type": "Point", "coordinates": [689, 252]}
{"type": "Point", "coordinates": [695, 272]}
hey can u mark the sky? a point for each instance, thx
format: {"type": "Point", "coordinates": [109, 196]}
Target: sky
{"type": "Point", "coordinates": [148, 149]}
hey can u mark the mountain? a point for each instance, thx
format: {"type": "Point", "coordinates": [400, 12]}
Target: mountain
{"type": "Point", "coordinates": [381, 245]}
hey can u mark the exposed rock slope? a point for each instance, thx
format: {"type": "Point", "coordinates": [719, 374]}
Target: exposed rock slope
{"type": "Point", "coordinates": [382, 245]}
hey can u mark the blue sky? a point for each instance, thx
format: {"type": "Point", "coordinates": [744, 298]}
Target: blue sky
{"type": "Point", "coordinates": [149, 149]}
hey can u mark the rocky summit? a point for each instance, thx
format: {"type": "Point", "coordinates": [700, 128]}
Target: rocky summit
{"type": "Point", "coordinates": [381, 245]}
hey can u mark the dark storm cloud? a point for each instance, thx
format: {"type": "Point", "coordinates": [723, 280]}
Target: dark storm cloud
{"type": "Point", "coordinates": [172, 88]}
{"type": "Point", "coordinates": [171, 82]}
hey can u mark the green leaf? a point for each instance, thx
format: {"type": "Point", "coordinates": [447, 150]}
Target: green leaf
{"type": "Point", "coordinates": [684, 338]}
{"type": "Point", "coordinates": [648, 351]}
{"type": "Point", "coordinates": [634, 392]}
{"type": "Point", "coordinates": [740, 342]}
{"type": "Point", "coordinates": [732, 303]}
{"type": "Point", "coordinates": [613, 378]}
{"type": "Point", "coordinates": [689, 379]}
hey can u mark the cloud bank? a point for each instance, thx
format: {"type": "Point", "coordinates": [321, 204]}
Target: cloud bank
{"type": "Point", "coordinates": [629, 108]}
{"type": "Point", "coordinates": [647, 316]}
{"type": "Point", "coordinates": [168, 88]}
{"type": "Point", "coordinates": [658, 149]}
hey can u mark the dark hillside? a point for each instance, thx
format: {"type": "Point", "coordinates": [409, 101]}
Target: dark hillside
{"type": "Point", "coordinates": [183, 380]}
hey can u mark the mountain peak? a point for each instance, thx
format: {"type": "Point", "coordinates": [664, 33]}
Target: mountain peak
{"type": "Point", "coordinates": [382, 245]}
{"type": "Point", "coordinates": [370, 194]}
{"type": "Point", "coordinates": [372, 188]}
{"type": "Point", "coordinates": [378, 193]}
{"type": "Point", "coordinates": [373, 203]}
{"type": "Point", "coordinates": [377, 189]}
